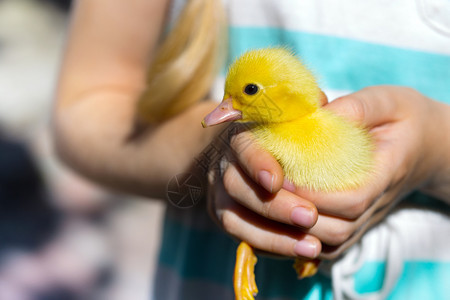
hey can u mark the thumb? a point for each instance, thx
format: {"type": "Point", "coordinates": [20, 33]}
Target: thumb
{"type": "Point", "coordinates": [369, 107]}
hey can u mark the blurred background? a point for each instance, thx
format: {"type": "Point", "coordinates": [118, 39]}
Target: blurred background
{"type": "Point", "coordinates": [61, 236]}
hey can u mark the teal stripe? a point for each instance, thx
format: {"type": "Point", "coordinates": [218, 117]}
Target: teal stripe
{"type": "Point", "coordinates": [345, 64]}
{"type": "Point", "coordinates": [277, 278]}
{"type": "Point", "coordinates": [209, 255]}
{"type": "Point", "coordinates": [418, 199]}
{"type": "Point", "coordinates": [370, 277]}
{"type": "Point", "coordinates": [197, 253]}
{"type": "Point", "coordinates": [423, 280]}
{"type": "Point", "coordinates": [419, 280]}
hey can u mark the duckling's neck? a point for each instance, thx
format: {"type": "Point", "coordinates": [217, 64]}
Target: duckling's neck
{"type": "Point", "coordinates": [313, 126]}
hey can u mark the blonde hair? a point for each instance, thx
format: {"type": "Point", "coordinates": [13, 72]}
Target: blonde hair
{"type": "Point", "coordinates": [185, 64]}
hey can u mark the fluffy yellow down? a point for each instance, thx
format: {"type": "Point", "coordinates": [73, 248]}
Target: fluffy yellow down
{"type": "Point", "coordinates": [317, 149]}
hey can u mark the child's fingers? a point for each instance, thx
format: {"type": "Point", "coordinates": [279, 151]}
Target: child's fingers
{"type": "Point", "coordinates": [338, 234]}
{"type": "Point", "coordinates": [370, 106]}
{"type": "Point", "coordinates": [270, 236]}
{"type": "Point", "coordinates": [259, 164]}
{"type": "Point", "coordinates": [282, 206]}
{"type": "Point", "coordinates": [262, 233]}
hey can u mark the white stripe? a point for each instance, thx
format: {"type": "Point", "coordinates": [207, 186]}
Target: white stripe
{"type": "Point", "coordinates": [422, 234]}
{"type": "Point", "coordinates": [400, 23]}
{"type": "Point", "coordinates": [216, 93]}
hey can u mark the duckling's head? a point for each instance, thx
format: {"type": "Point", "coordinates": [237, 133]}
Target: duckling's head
{"type": "Point", "coordinates": [266, 86]}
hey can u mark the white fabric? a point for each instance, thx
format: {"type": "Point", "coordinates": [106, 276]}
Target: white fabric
{"type": "Point", "coordinates": [402, 23]}
{"type": "Point", "coordinates": [406, 234]}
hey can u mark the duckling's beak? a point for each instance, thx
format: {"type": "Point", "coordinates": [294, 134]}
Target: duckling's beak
{"type": "Point", "coordinates": [222, 113]}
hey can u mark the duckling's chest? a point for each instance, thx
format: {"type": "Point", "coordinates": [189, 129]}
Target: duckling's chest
{"type": "Point", "coordinates": [321, 154]}
{"type": "Point", "coordinates": [307, 136]}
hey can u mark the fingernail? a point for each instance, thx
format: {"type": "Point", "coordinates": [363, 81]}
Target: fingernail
{"type": "Point", "coordinates": [289, 186]}
{"type": "Point", "coordinates": [306, 248]}
{"type": "Point", "coordinates": [266, 179]}
{"type": "Point", "coordinates": [302, 216]}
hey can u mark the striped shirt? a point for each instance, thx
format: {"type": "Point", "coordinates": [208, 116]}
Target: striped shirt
{"type": "Point", "coordinates": [349, 45]}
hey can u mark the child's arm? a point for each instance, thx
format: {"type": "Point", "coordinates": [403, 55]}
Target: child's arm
{"type": "Point", "coordinates": [103, 73]}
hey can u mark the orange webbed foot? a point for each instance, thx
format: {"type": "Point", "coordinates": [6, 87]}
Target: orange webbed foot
{"type": "Point", "coordinates": [306, 267]}
{"type": "Point", "coordinates": [244, 273]}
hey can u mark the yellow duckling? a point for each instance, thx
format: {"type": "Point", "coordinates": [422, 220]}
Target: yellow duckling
{"type": "Point", "coordinates": [318, 150]}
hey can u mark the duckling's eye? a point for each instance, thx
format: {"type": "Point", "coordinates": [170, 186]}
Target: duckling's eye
{"type": "Point", "coordinates": [251, 89]}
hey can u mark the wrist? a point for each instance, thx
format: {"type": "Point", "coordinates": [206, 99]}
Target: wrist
{"type": "Point", "coordinates": [438, 184]}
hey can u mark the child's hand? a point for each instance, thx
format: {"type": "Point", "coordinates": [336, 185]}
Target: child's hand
{"type": "Point", "coordinates": [412, 151]}
{"type": "Point", "coordinates": [251, 213]}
